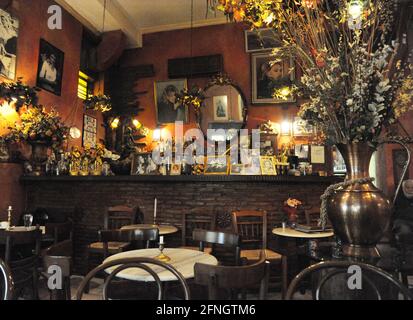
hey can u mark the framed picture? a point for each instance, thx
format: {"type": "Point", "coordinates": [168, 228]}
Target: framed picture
{"type": "Point", "coordinates": [217, 165]}
{"type": "Point", "coordinates": [142, 164]}
{"type": "Point", "coordinates": [168, 110]}
{"type": "Point", "coordinates": [301, 151]}
{"type": "Point", "coordinates": [269, 76]}
{"type": "Point", "coordinates": [90, 129]}
{"type": "Point", "coordinates": [176, 169]}
{"type": "Point", "coordinates": [268, 166]}
{"type": "Point", "coordinates": [220, 108]}
{"type": "Point", "coordinates": [252, 167]}
{"type": "Point", "coordinates": [339, 166]}
{"type": "Point", "coordinates": [302, 128]}
{"type": "Point", "coordinates": [8, 37]}
{"type": "Point", "coordinates": [50, 68]}
{"type": "Point", "coordinates": [318, 154]}
{"type": "Point", "coordinates": [237, 169]}
{"type": "Point", "coordinates": [260, 40]}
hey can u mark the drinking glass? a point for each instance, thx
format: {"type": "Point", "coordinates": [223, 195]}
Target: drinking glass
{"type": "Point", "coordinates": [28, 220]}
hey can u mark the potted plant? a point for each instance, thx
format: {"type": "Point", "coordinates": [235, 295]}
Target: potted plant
{"type": "Point", "coordinates": [356, 83]}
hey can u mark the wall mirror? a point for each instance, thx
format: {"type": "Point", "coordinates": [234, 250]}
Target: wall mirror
{"type": "Point", "coordinates": [225, 106]}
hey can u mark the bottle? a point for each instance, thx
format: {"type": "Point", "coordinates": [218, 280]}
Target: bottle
{"type": "Point", "coordinates": [9, 212]}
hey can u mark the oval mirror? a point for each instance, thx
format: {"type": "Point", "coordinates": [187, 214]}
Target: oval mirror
{"type": "Point", "coordinates": [225, 107]}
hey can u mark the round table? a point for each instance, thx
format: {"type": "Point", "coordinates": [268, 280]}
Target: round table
{"type": "Point", "coordinates": [163, 228]}
{"type": "Point", "coordinates": [182, 260]}
{"type": "Point", "coordinates": [288, 232]}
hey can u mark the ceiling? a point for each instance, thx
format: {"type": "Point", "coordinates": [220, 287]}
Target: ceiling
{"type": "Point", "coordinates": [138, 17]}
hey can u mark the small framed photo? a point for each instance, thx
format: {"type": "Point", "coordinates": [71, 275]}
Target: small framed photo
{"type": "Point", "coordinates": [217, 165]}
{"type": "Point", "coordinates": [176, 169]}
{"type": "Point", "coordinates": [89, 131]}
{"type": "Point", "coordinates": [260, 40]}
{"type": "Point", "coordinates": [302, 128]}
{"type": "Point", "coordinates": [339, 166]}
{"type": "Point", "coordinates": [268, 166]}
{"type": "Point", "coordinates": [237, 169]}
{"type": "Point", "coordinates": [302, 151]}
{"type": "Point", "coordinates": [318, 154]}
{"type": "Point", "coordinates": [168, 110]}
{"type": "Point", "coordinates": [8, 38]}
{"type": "Point", "coordinates": [50, 68]}
{"type": "Point", "coordinates": [221, 108]}
{"type": "Point", "coordinates": [142, 164]}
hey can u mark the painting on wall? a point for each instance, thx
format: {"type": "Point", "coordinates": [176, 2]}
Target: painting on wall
{"type": "Point", "coordinates": [50, 68]}
{"type": "Point", "coordinates": [9, 30]}
{"type": "Point", "coordinates": [260, 40]}
{"type": "Point", "coordinates": [168, 110]}
{"type": "Point", "coordinates": [89, 131]}
{"type": "Point", "coordinates": [221, 108]}
{"type": "Point", "coordinates": [269, 77]}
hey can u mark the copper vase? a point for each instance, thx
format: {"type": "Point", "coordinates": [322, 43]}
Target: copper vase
{"type": "Point", "coordinates": [39, 157]}
{"type": "Point", "coordinates": [360, 213]}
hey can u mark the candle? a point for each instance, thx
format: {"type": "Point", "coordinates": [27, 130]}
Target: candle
{"type": "Point", "coordinates": [154, 210]}
{"type": "Point", "coordinates": [161, 240]}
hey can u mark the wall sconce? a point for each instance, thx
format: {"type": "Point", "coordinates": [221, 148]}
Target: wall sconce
{"type": "Point", "coordinates": [115, 123]}
{"type": "Point", "coordinates": [286, 128]}
{"type": "Point", "coordinates": [137, 124]}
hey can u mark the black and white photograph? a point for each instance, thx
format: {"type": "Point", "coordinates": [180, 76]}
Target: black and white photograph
{"type": "Point", "coordinates": [221, 108]}
{"type": "Point", "coordinates": [301, 151]}
{"type": "Point", "coordinates": [50, 68]}
{"type": "Point", "coordinates": [89, 131]}
{"type": "Point", "coordinates": [260, 40]}
{"type": "Point", "coordinates": [302, 127]}
{"type": "Point", "coordinates": [9, 30]}
{"type": "Point", "coordinates": [217, 165]}
{"type": "Point", "coordinates": [168, 109]}
{"type": "Point", "coordinates": [270, 75]}
{"type": "Point", "coordinates": [142, 164]}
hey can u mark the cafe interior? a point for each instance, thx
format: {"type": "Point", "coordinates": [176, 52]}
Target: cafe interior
{"type": "Point", "coordinates": [206, 150]}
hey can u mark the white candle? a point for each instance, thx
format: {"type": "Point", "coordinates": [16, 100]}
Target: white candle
{"type": "Point", "coordinates": [154, 209]}
{"type": "Point", "coordinates": [161, 240]}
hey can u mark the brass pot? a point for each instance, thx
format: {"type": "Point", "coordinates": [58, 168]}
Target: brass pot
{"type": "Point", "coordinates": [361, 213]}
{"type": "Point", "coordinates": [39, 156]}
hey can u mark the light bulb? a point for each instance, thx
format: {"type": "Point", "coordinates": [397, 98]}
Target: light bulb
{"type": "Point", "coordinates": [286, 128]}
{"type": "Point", "coordinates": [157, 133]}
{"type": "Point", "coordinates": [115, 123]}
{"type": "Point", "coordinates": [136, 123]}
{"type": "Point", "coordinates": [6, 110]}
{"type": "Point", "coordinates": [75, 133]}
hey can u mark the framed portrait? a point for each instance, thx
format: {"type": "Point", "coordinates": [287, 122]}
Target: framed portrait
{"type": "Point", "coordinates": [142, 164]}
{"type": "Point", "coordinates": [268, 166]}
{"type": "Point", "coordinates": [261, 40]}
{"type": "Point", "coordinates": [217, 165]}
{"type": "Point", "coordinates": [302, 128]}
{"type": "Point", "coordinates": [50, 68]}
{"type": "Point", "coordinates": [176, 169]}
{"type": "Point", "coordinates": [237, 169]}
{"type": "Point", "coordinates": [220, 108]}
{"type": "Point", "coordinates": [301, 151]}
{"type": "Point", "coordinates": [90, 129]}
{"type": "Point", "coordinates": [8, 37]}
{"type": "Point", "coordinates": [168, 110]}
{"type": "Point", "coordinates": [269, 76]}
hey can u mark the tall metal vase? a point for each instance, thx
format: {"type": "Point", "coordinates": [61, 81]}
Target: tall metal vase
{"type": "Point", "coordinates": [360, 213]}
{"type": "Point", "coordinates": [39, 156]}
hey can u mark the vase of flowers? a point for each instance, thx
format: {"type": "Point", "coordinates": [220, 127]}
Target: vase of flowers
{"type": "Point", "coordinates": [356, 83]}
{"type": "Point", "coordinates": [41, 130]}
{"type": "Point", "coordinates": [291, 209]}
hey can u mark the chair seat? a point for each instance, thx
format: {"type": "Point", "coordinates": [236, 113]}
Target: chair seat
{"type": "Point", "coordinates": [254, 255]}
{"type": "Point", "coordinates": [112, 246]}
{"type": "Point", "coordinates": [206, 250]}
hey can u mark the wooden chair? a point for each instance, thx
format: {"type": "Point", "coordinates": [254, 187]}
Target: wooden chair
{"type": "Point", "coordinates": [233, 280]}
{"type": "Point", "coordinates": [141, 263]}
{"type": "Point", "coordinates": [60, 255]}
{"type": "Point", "coordinates": [107, 237]}
{"type": "Point", "coordinates": [214, 238]}
{"type": "Point", "coordinates": [22, 256]}
{"type": "Point", "coordinates": [252, 226]}
{"type": "Point", "coordinates": [192, 221]}
{"type": "Point", "coordinates": [6, 282]}
{"type": "Point", "coordinates": [59, 231]}
{"type": "Point", "coordinates": [376, 283]}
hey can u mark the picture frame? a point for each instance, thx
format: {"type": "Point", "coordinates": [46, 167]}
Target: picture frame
{"type": "Point", "coordinates": [216, 165]}
{"type": "Point", "coordinates": [318, 155]}
{"type": "Point", "coordinates": [268, 76]}
{"type": "Point", "coordinates": [8, 56]}
{"type": "Point", "coordinates": [301, 128]}
{"type": "Point", "coordinates": [268, 166]}
{"type": "Point", "coordinates": [142, 164]}
{"type": "Point", "coordinates": [237, 169]}
{"type": "Point", "coordinates": [260, 40]}
{"type": "Point", "coordinates": [50, 68]}
{"type": "Point", "coordinates": [221, 112]}
{"type": "Point", "coordinates": [339, 166]}
{"type": "Point", "coordinates": [167, 109]}
{"type": "Point", "coordinates": [253, 167]}
{"type": "Point", "coordinates": [89, 131]}
{"type": "Point", "coordinates": [176, 169]}
{"type": "Point", "coordinates": [302, 151]}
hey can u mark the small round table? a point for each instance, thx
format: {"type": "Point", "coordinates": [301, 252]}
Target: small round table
{"type": "Point", "coordinates": [163, 228]}
{"type": "Point", "coordinates": [182, 260]}
{"type": "Point", "coordinates": [288, 232]}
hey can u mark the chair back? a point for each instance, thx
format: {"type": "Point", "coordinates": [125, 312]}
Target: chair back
{"type": "Point", "coordinates": [252, 227]}
{"type": "Point", "coordinates": [213, 238]}
{"type": "Point", "coordinates": [375, 282]}
{"type": "Point", "coordinates": [60, 231]}
{"type": "Point", "coordinates": [147, 264]}
{"type": "Point", "coordinates": [6, 282]}
{"type": "Point", "coordinates": [235, 278]}
{"type": "Point", "coordinates": [192, 221]}
{"type": "Point", "coordinates": [119, 216]}
{"type": "Point", "coordinates": [30, 240]}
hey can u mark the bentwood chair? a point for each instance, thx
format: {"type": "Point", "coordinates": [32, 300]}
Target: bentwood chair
{"type": "Point", "coordinates": [6, 282]}
{"type": "Point", "coordinates": [192, 221]}
{"type": "Point", "coordinates": [331, 278]}
{"type": "Point", "coordinates": [252, 226]}
{"type": "Point", "coordinates": [59, 255]}
{"type": "Point", "coordinates": [151, 266]}
{"type": "Point", "coordinates": [225, 282]}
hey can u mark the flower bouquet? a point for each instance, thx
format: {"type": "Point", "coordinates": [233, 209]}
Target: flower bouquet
{"type": "Point", "coordinates": [291, 206]}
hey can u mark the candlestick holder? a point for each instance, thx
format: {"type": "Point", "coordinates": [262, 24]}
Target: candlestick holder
{"type": "Point", "coordinates": [162, 257]}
